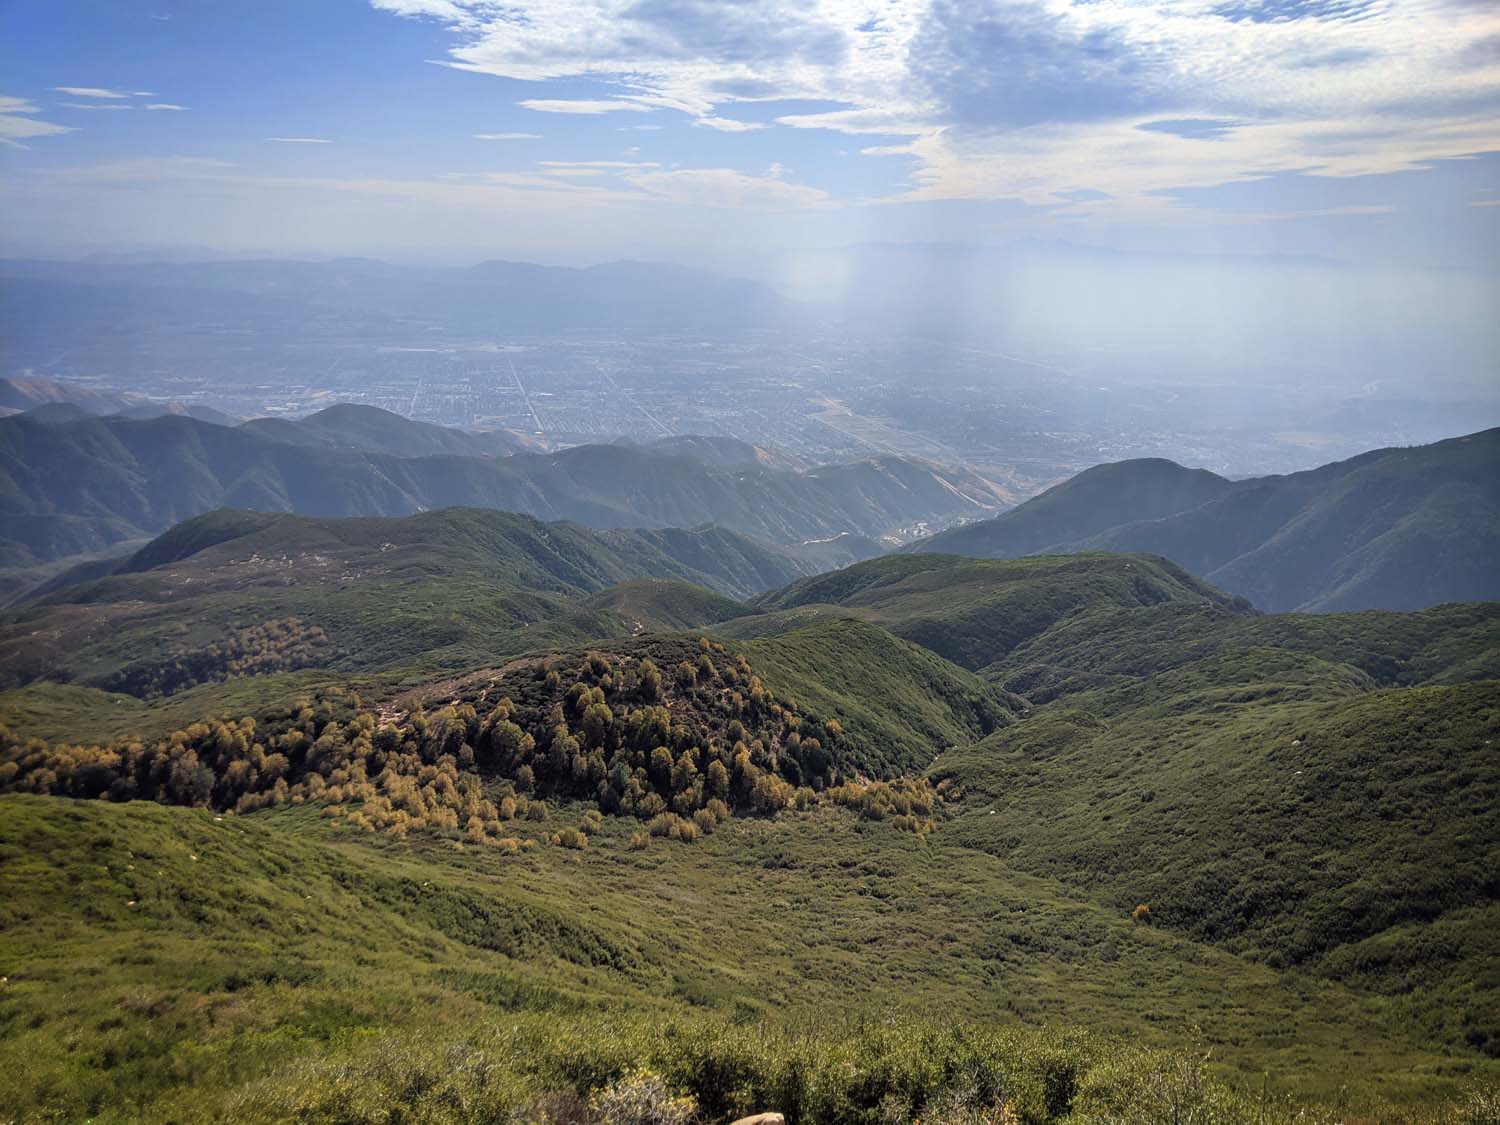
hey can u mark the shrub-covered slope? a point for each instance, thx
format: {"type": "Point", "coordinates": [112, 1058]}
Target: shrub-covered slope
{"type": "Point", "coordinates": [1317, 791]}
{"type": "Point", "coordinates": [471, 791]}
{"type": "Point", "coordinates": [168, 964]}
{"type": "Point", "coordinates": [668, 726]}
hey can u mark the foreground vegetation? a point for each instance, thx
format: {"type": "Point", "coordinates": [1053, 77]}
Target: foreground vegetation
{"type": "Point", "coordinates": [169, 963]}
{"type": "Point", "coordinates": [429, 831]}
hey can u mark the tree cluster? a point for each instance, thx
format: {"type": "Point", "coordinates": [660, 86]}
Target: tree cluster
{"type": "Point", "coordinates": [680, 753]}
{"type": "Point", "coordinates": [283, 645]}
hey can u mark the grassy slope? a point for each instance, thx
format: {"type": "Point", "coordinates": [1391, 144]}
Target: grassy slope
{"type": "Point", "coordinates": [84, 715]}
{"type": "Point", "coordinates": [663, 606]}
{"type": "Point", "coordinates": [439, 590]}
{"type": "Point", "coordinates": [899, 700]}
{"type": "Point", "coordinates": [259, 940]}
{"type": "Point", "coordinates": [975, 611]}
{"type": "Point", "coordinates": [1158, 764]}
{"type": "Point", "coordinates": [1262, 783]}
{"type": "Point", "coordinates": [1128, 646]}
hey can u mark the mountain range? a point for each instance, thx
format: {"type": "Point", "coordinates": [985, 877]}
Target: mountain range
{"type": "Point", "coordinates": [79, 484]}
{"type": "Point", "coordinates": [48, 399]}
{"type": "Point", "coordinates": [1399, 528]}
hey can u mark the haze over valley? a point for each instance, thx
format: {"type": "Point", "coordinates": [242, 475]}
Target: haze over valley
{"type": "Point", "coordinates": [642, 352]}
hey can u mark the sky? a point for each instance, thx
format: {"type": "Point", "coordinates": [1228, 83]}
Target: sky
{"type": "Point", "coordinates": [571, 131]}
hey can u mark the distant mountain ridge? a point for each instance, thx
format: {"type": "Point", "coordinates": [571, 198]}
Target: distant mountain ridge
{"type": "Point", "coordinates": [1401, 528]}
{"type": "Point", "coordinates": [355, 426]}
{"type": "Point", "coordinates": [49, 399]}
{"type": "Point", "coordinates": [81, 484]}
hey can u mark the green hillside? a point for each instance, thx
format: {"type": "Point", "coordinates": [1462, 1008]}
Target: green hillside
{"type": "Point", "coordinates": [1401, 528]}
{"type": "Point", "coordinates": [1264, 784]}
{"type": "Point", "coordinates": [973, 612]}
{"type": "Point", "coordinates": [1131, 647]}
{"type": "Point", "coordinates": [899, 701]}
{"type": "Point", "coordinates": [441, 589]}
{"type": "Point", "coordinates": [471, 817]}
{"type": "Point", "coordinates": [662, 606]}
{"type": "Point", "coordinates": [281, 966]}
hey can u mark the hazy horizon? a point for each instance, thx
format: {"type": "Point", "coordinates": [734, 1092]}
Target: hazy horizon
{"type": "Point", "coordinates": [1257, 218]}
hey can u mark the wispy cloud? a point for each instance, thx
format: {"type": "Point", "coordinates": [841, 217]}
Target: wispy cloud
{"type": "Point", "coordinates": [507, 136]}
{"type": "Point", "coordinates": [167, 106]}
{"type": "Point", "coordinates": [728, 124]}
{"type": "Point", "coordinates": [18, 123]}
{"type": "Point", "coordinates": [728, 189]}
{"type": "Point", "coordinates": [300, 140]}
{"type": "Point", "coordinates": [552, 188]}
{"type": "Point", "coordinates": [601, 164]}
{"type": "Point", "coordinates": [583, 105]}
{"type": "Point", "coordinates": [1022, 99]}
{"type": "Point", "coordinates": [91, 92]}
{"type": "Point", "coordinates": [88, 106]}
{"type": "Point", "coordinates": [438, 9]}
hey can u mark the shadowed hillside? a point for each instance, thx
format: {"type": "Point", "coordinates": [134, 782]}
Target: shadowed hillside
{"type": "Point", "coordinates": [82, 485]}
{"type": "Point", "coordinates": [1391, 529]}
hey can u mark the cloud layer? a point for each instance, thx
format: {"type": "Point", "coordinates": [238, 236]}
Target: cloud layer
{"type": "Point", "coordinates": [19, 122]}
{"type": "Point", "coordinates": [1086, 104]}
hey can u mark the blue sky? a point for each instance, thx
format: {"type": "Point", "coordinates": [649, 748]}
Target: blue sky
{"type": "Point", "coordinates": [565, 130]}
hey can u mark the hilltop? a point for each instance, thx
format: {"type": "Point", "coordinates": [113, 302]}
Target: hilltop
{"type": "Point", "coordinates": [352, 426]}
{"type": "Point", "coordinates": [975, 611]}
